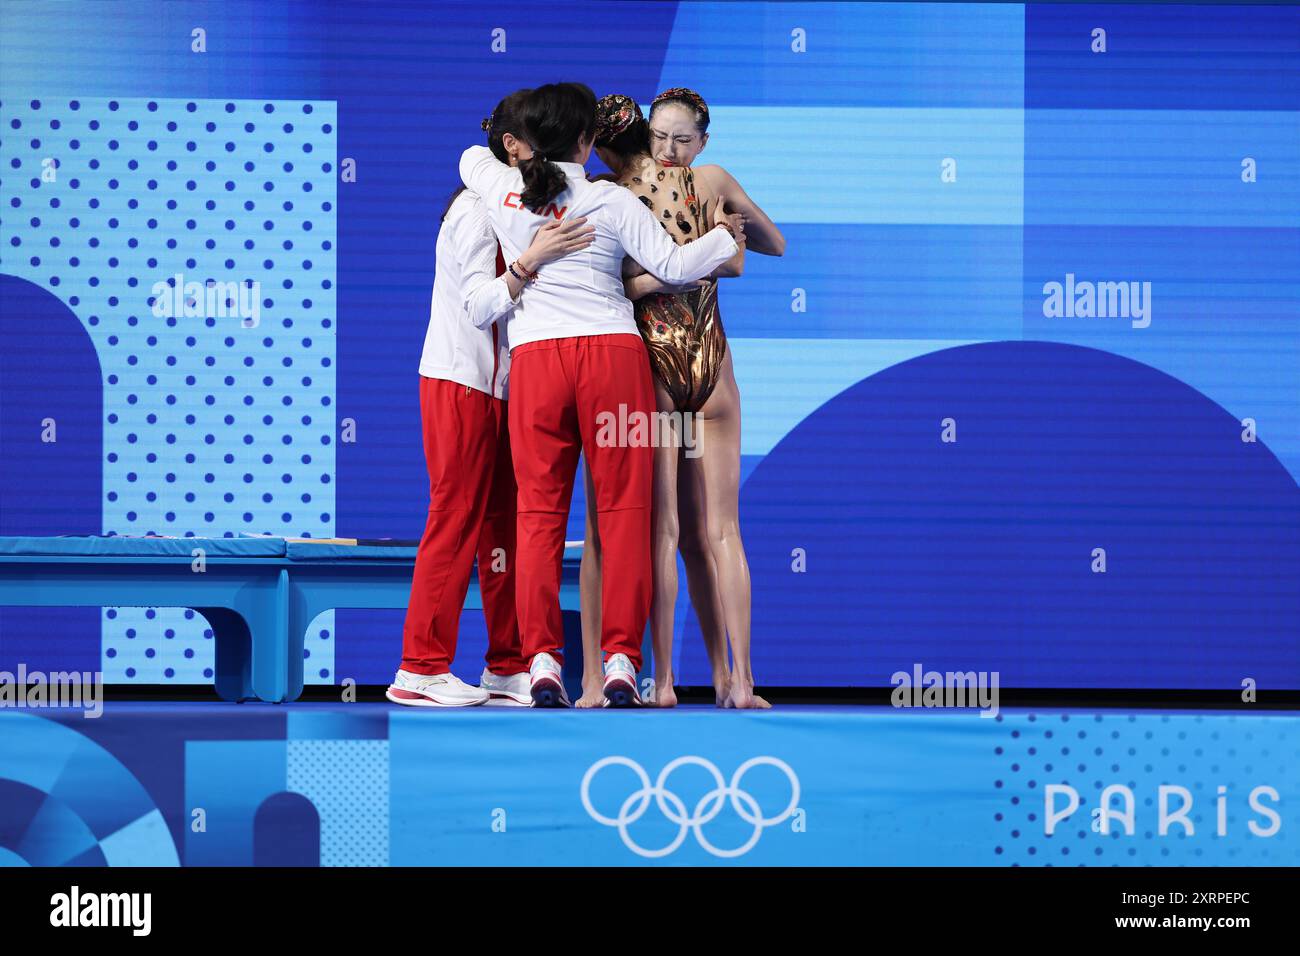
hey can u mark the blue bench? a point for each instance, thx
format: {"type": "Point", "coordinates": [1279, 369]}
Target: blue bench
{"type": "Point", "coordinates": [258, 594]}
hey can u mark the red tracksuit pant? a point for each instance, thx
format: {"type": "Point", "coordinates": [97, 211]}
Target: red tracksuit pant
{"type": "Point", "coordinates": [471, 511]}
{"type": "Point", "coordinates": [559, 388]}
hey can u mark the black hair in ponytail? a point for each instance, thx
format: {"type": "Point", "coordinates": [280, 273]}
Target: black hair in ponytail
{"type": "Point", "coordinates": [556, 117]}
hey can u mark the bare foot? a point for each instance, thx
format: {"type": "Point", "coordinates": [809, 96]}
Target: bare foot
{"type": "Point", "coordinates": [721, 688]}
{"type": "Point", "coordinates": [593, 695]}
{"type": "Point", "coordinates": [664, 695]}
{"type": "Point", "coordinates": [740, 695]}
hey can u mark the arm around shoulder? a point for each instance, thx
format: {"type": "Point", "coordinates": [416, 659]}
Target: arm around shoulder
{"type": "Point", "coordinates": [477, 168]}
{"type": "Point", "coordinates": [761, 234]}
{"type": "Point", "coordinates": [646, 241]}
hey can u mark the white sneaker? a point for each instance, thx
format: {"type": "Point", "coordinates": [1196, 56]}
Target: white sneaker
{"type": "Point", "coordinates": [433, 690]}
{"type": "Point", "coordinates": [546, 684]}
{"type": "Point", "coordinates": [513, 690]}
{"type": "Point", "coordinates": [620, 682]}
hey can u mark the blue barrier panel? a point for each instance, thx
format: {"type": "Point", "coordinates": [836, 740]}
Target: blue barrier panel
{"type": "Point", "coordinates": [793, 786]}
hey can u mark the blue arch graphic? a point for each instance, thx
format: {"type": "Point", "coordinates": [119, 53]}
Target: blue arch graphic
{"type": "Point", "coordinates": [51, 441]}
{"type": "Point", "coordinates": [286, 831]}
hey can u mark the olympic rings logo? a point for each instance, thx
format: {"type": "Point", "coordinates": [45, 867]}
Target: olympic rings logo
{"type": "Point", "coordinates": [671, 806]}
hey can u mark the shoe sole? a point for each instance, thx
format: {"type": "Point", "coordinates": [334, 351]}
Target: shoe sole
{"type": "Point", "coordinates": [504, 699]}
{"type": "Point", "coordinates": [508, 700]}
{"type": "Point", "coordinates": [619, 693]}
{"type": "Point", "coordinates": [420, 700]}
{"type": "Point", "coordinates": [548, 693]}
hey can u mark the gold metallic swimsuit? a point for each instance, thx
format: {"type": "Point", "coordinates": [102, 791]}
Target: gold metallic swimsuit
{"type": "Point", "coordinates": [683, 333]}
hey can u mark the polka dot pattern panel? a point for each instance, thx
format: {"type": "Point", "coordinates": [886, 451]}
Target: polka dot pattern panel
{"type": "Point", "coordinates": [195, 240]}
{"type": "Point", "coordinates": [347, 780]}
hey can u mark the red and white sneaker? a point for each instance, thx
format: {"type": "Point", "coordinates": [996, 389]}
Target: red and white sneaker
{"type": "Point", "coordinates": [546, 683]}
{"type": "Point", "coordinates": [620, 682]}
{"type": "Point", "coordinates": [512, 690]}
{"type": "Point", "coordinates": [433, 690]}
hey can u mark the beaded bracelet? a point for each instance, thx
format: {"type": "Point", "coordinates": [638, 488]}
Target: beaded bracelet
{"type": "Point", "coordinates": [526, 277]}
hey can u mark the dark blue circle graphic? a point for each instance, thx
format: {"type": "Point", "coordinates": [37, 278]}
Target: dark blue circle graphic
{"type": "Point", "coordinates": [983, 553]}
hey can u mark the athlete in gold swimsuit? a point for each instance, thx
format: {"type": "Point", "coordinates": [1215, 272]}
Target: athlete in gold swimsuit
{"type": "Point", "coordinates": [696, 495]}
{"type": "Point", "coordinates": [683, 332]}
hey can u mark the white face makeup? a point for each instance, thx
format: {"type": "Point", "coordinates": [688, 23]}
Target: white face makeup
{"type": "Point", "coordinates": [675, 140]}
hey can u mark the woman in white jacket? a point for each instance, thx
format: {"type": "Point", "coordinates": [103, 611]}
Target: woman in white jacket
{"type": "Point", "coordinates": [578, 365]}
{"type": "Point", "coordinates": [464, 374]}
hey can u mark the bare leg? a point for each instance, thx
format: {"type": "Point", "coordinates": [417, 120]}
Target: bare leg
{"type": "Point", "coordinates": [701, 579]}
{"type": "Point", "coordinates": [720, 461]}
{"type": "Point", "coordinates": [663, 544]}
{"type": "Point", "coordinates": [589, 584]}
